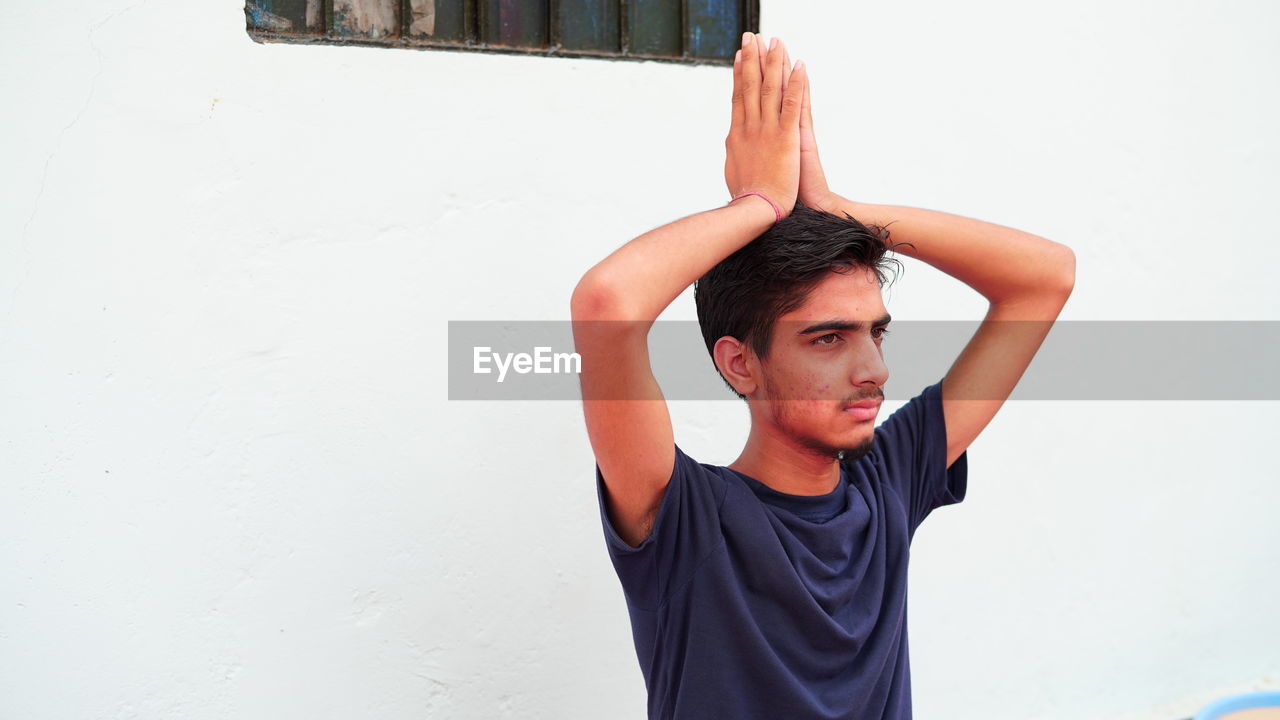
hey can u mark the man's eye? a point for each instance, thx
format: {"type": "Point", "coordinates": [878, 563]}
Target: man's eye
{"type": "Point", "coordinates": [882, 331]}
{"type": "Point", "coordinates": [828, 339]}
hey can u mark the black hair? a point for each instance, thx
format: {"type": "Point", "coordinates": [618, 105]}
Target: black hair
{"type": "Point", "coordinates": [745, 294]}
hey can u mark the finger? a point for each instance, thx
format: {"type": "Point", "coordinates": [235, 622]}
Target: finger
{"type": "Point", "coordinates": [749, 74]}
{"type": "Point", "coordinates": [739, 115]}
{"type": "Point", "coordinates": [806, 109]}
{"type": "Point", "coordinates": [771, 89]}
{"type": "Point", "coordinates": [780, 69]}
{"type": "Point", "coordinates": [762, 46]}
{"type": "Point", "coordinates": [793, 99]}
{"type": "Point", "coordinates": [786, 70]}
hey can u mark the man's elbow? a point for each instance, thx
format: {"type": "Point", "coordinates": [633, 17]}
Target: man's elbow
{"type": "Point", "coordinates": [1065, 278]}
{"type": "Point", "coordinates": [591, 299]}
{"type": "Point", "coordinates": [1049, 284]}
{"type": "Point", "coordinates": [1055, 273]}
{"type": "Point", "coordinates": [597, 298]}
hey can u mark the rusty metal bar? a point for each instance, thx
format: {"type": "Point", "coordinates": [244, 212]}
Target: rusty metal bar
{"type": "Point", "coordinates": [624, 27]}
{"type": "Point", "coordinates": [686, 37]}
{"type": "Point", "coordinates": [553, 24]}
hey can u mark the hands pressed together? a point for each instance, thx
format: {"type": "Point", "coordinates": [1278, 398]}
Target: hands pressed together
{"type": "Point", "coordinates": [771, 147]}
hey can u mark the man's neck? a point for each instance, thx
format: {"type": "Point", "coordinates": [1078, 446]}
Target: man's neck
{"type": "Point", "coordinates": [785, 467]}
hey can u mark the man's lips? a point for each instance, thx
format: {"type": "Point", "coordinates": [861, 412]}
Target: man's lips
{"type": "Point", "coordinates": [865, 410]}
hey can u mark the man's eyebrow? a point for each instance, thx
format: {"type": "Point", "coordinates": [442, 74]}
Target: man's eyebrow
{"type": "Point", "coordinates": [850, 325]}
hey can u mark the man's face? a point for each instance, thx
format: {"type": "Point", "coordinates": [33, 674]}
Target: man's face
{"type": "Point", "coordinates": [824, 359]}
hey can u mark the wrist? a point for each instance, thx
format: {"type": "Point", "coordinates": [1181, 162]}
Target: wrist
{"type": "Point", "coordinates": [830, 202]}
{"type": "Point", "coordinates": [869, 214]}
{"type": "Point", "coordinates": [759, 199]}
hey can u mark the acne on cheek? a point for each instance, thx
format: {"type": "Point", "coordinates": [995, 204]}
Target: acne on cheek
{"type": "Point", "coordinates": [810, 392]}
{"type": "Point", "coordinates": [795, 391]}
{"type": "Point", "coordinates": [819, 386]}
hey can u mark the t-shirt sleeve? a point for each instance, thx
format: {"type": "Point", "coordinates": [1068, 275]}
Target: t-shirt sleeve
{"type": "Point", "coordinates": [913, 444]}
{"type": "Point", "coordinates": [685, 530]}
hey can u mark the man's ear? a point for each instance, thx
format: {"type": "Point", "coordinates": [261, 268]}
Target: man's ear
{"type": "Point", "coordinates": [737, 363]}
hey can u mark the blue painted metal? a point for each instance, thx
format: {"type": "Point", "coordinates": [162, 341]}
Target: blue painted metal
{"type": "Point", "coordinates": [714, 28]}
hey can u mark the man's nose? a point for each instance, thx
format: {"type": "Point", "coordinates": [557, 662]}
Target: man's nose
{"type": "Point", "coordinates": [868, 367]}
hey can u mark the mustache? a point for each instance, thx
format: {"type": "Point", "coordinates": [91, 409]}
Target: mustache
{"type": "Point", "coordinates": [877, 394]}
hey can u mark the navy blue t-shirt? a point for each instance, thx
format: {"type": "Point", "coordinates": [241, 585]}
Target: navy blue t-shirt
{"type": "Point", "coordinates": [750, 603]}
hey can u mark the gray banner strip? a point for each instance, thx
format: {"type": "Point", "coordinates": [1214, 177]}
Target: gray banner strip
{"type": "Point", "coordinates": [1078, 360]}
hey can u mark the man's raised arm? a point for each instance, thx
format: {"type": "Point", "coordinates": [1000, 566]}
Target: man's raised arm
{"type": "Point", "coordinates": [616, 302]}
{"type": "Point", "coordinates": [1025, 278]}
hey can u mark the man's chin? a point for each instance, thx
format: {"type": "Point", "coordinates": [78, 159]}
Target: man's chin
{"type": "Point", "coordinates": [857, 451]}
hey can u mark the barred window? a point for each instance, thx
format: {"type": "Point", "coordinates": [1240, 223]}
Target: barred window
{"type": "Point", "coordinates": [688, 31]}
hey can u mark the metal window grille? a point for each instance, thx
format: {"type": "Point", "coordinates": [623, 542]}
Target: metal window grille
{"type": "Point", "coordinates": [685, 31]}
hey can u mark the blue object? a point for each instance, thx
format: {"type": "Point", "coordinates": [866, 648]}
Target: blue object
{"type": "Point", "coordinates": [1248, 701]}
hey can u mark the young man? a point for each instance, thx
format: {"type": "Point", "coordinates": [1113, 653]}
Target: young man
{"type": "Point", "coordinates": [775, 587]}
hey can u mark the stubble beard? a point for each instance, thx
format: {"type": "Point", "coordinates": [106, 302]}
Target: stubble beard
{"type": "Point", "coordinates": [839, 453]}
{"type": "Point", "coordinates": [857, 452]}
{"type": "Point", "coordinates": [819, 446]}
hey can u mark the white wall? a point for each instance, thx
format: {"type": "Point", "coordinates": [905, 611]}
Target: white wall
{"type": "Point", "coordinates": [232, 484]}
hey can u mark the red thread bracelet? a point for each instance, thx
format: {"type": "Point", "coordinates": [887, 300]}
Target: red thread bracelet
{"type": "Point", "coordinates": [777, 211]}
